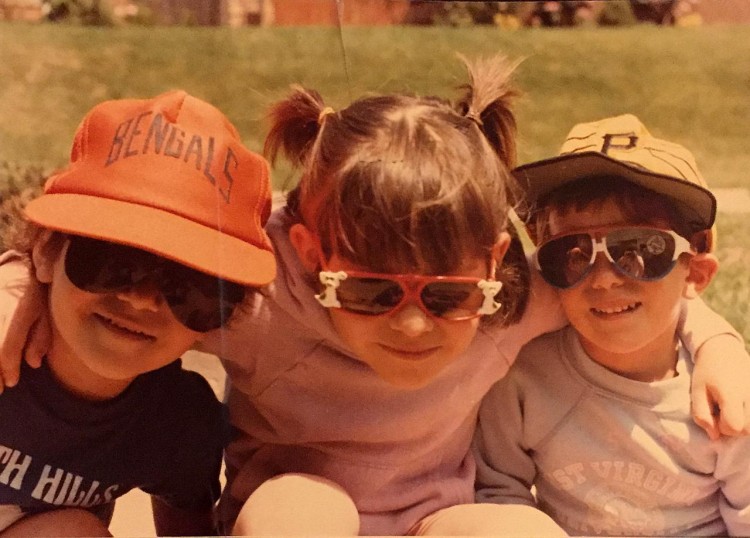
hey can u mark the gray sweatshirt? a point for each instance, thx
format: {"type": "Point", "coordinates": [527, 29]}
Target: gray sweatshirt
{"type": "Point", "coordinates": [607, 455]}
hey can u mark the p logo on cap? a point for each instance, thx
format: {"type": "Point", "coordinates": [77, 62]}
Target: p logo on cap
{"type": "Point", "coordinates": [622, 147]}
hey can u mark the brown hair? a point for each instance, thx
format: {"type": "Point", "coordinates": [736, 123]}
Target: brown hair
{"type": "Point", "coordinates": [638, 204]}
{"type": "Point", "coordinates": [401, 183]}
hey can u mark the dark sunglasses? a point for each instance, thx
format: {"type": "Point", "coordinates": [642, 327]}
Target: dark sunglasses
{"type": "Point", "coordinates": [637, 252]}
{"type": "Point", "coordinates": [199, 301]}
{"type": "Point", "coordinates": [372, 294]}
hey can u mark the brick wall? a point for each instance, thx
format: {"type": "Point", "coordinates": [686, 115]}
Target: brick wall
{"type": "Point", "coordinates": [325, 12]}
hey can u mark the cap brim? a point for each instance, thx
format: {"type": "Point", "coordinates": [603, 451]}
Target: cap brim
{"type": "Point", "coordinates": [163, 233]}
{"type": "Point", "coordinates": [539, 178]}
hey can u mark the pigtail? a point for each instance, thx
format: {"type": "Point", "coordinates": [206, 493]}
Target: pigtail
{"type": "Point", "coordinates": [515, 274]}
{"type": "Point", "coordinates": [295, 124]}
{"type": "Point", "coordinates": [487, 102]}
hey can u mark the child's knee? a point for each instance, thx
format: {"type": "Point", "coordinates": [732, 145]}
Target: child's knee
{"type": "Point", "coordinates": [64, 522]}
{"type": "Point", "coordinates": [508, 520]}
{"type": "Point", "coordinates": [298, 504]}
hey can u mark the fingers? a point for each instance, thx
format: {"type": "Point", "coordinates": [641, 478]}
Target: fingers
{"type": "Point", "coordinates": [734, 420]}
{"type": "Point", "coordinates": [11, 351]}
{"type": "Point", "coordinates": [705, 415]}
{"type": "Point", "coordinates": [731, 419]}
{"type": "Point", "coordinates": [720, 390]}
{"type": "Point", "coordinates": [38, 343]}
{"type": "Point", "coordinates": [22, 307]}
{"type": "Point", "coordinates": [722, 413]}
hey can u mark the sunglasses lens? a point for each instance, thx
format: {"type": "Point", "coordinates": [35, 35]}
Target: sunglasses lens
{"type": "Point", "coordinates": [452, 300]}
{"type": "Point", "coordinates": [369, 296]}
{"type": "Point", "coordinates": [566, 260]}
{"type": "Point", "coordinates": [102, 267]}
{"type": "Point", "coordinates": [199, 301]}
{"type": "Point", "coordinates": [642, 253]}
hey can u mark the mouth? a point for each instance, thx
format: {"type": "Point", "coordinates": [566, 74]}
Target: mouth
{"type": "Point", "coordinates": [615, 310]}
{"type": "Point", "coordinates": [123, 328]}
{"type": "Point", "coordinates": [410, 354]}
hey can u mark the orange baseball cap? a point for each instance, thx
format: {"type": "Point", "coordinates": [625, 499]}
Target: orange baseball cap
{"type": "Point", "coordinates": [168, 175]}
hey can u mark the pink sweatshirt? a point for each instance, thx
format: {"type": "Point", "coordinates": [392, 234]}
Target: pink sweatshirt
{"type": "Point", "coordinates": [301, 402]}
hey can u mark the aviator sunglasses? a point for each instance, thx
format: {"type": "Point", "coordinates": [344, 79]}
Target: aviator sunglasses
{"type": "Point", "coordinates": [199, 301]}
{"type": "Point", "coordinates": [372, 294]}
{"type": "Point", "coordinates": [638, 252]}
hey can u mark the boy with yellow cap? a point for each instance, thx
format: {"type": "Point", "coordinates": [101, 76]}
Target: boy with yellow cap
{"type": "Point", "coordinates": [151, 237]}
{"type": "Point", "coordinates": [597, 415]}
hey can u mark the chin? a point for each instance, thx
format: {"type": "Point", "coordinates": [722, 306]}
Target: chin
{"type": "Point", "coordinates": [408, 377]}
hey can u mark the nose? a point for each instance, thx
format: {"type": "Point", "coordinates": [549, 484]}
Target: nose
{"type": "Point", "coordinates": [603, 274]}
{"type": "Point", "coordinates": [143, 296]}
{"type": "Point", "coordinates": [411, 321]}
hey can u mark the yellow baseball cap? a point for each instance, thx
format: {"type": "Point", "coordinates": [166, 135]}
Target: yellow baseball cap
{"type": "Point", "coordinates": [621, 147]}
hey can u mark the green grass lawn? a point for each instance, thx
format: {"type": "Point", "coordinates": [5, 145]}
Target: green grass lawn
{"type": "Point", "coordinates": [689, 85]}
{"type": "Point", "coordinates": [729, 293]}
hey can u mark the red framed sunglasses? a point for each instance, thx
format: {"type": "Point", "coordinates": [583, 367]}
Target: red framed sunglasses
{"type": "Point", "coordinates": [453, 298]}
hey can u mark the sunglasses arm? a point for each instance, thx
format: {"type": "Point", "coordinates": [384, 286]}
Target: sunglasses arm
{"type": "Point", "coordinates": [330, 280]}
{"type": "Point", "coordinates": [490, 289]}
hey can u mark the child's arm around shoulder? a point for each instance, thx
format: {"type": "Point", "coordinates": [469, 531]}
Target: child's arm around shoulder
{"type": "Point", "coordinates": [720, 392]}
{"type": "Point", "coordinates": [24, 329]}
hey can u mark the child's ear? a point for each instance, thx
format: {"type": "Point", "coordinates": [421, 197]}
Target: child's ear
{"type": "Point", "coordinates": [44, 255]}
{"type": "Point", "coordinates": [701, 270]}
{"type": "Point", "coordinates": [306, 244]}
{"type": "Point", "coordinates": [500, 247]}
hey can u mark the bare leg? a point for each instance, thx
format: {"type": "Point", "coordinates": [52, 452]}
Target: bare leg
{"type": "Point", "coordinates": [297, 505]}
{"type": "Point", "coordinates": [507, 520]}
{"type": "Point", "coordinates": [66, 522]}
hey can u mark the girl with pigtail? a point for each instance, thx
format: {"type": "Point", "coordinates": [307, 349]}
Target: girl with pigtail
{"type": "Point", "coordinates": [354, 395]}
{"type": "Point", "coordinates": [355, 382]}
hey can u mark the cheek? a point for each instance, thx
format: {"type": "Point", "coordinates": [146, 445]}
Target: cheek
{"type": "Point", "coordinates": [65, 300]}
{"type": "Point", "coordinates": [461, 333]}
{"type": "Point", "coordinates": [571, 302]}
{"type": "Point", "coordinates": [354, 329]}
{"type": "Point", "coordinates": [183, 338]}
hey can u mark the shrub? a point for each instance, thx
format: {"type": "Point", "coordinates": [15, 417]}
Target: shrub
{"type": "Point", "coordinates": [16, 178]}
{"type": "Point", "coordinates": [617, 13]}
{"type": "Point", "coordinates": [84, 12]}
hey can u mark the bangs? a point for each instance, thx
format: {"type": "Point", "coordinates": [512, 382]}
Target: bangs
{"type": "Point", "coordinates": [390, 220]}
{"type": "Point", "coordinates": [638, 205]}
{"type": "Point", "coordinates": [423, 193]}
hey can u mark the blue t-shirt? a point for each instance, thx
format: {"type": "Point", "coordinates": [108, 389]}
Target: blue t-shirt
{"type": "Point", "coordinates": [164, 434]}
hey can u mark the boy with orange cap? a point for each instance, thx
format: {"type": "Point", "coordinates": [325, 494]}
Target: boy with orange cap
{"type": "Point", "coordinates": [151, 237]}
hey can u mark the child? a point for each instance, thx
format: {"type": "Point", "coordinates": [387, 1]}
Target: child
{"type": "Point", "coordinates": [148, 240]}
{"type": "Point", "coordinates": [354, 383]}
{"type": "Point", "coordinates": [357, 419]}
{"type": "Point", "coordinates": [597, 415]}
